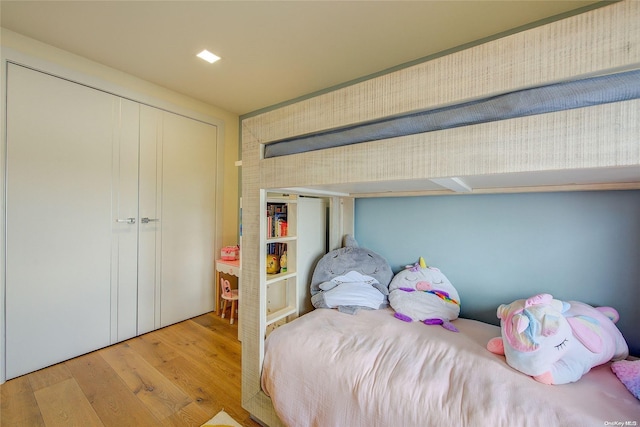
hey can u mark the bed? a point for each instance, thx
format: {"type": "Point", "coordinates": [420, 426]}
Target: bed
{"type": "Point", "coordinates": [328, 368]}
{"type": "Point", "coordinates": [592, 146]}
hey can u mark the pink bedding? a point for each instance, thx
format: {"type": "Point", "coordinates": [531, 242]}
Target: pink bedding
{"type": "Point", "coordinates": [333, 369]}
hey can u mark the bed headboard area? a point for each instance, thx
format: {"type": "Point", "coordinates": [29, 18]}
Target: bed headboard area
{"type": "Point", "coordinates": [557, 175]}
{"type": "Point", "coordinates": [496, 248]}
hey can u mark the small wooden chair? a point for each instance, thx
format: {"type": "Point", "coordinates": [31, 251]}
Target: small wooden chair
{"type": "Point", "coordinates": [228, 294]}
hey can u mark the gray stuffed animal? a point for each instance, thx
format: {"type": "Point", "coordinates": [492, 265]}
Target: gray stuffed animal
{"type": "Point", "coordinates": [351, 278]}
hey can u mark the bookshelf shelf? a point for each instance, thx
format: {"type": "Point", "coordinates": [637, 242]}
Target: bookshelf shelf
{"type": "Point", "coordinates": [281, 314]}
{"type": "Point", "coordinates": [281, 239]}
{"type": "Point", "coordinates": [279, 280]}
{"type": "Point", "coordinates": [286, 293]}
{"type": "Point", "coordinates": [274, 278]}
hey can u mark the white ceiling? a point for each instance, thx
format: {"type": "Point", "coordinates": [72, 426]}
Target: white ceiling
{"type": "Point", "coordinates": [272, 51]}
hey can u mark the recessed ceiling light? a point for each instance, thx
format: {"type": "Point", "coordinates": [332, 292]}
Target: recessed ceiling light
{"type": "Point", "coordinates": [208, 56]}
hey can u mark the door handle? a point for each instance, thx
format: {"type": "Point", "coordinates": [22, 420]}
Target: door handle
{"type": "Point", "coordinates": [127, 220]}
{"type": "Point", "coordinates": [146, 220]}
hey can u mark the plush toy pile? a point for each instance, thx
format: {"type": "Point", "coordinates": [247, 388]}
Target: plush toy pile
{"type": "Point", "coordinates": [423, 293]}
{"type": "Point", "coordinates": [351, 278]}
{"type": "Point", "coordinates": [557, 342]}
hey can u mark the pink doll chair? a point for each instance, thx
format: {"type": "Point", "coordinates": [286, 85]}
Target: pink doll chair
{"type": "Point", "coordinates": [227, 295]}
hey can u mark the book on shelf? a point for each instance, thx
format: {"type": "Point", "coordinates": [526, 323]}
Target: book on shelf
{"type": "Point", "coordinates": [277, 221]}
{"type": "Point", "coordinates": [276, 208]}
{"type": "Point", "coordinates": [276, 248]}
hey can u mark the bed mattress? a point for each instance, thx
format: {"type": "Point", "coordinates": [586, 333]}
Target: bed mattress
{"type": "Point", "coordinates": [328, 368]}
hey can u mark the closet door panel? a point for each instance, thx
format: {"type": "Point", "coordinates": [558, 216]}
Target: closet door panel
{"type": "Point", "coordinates": [188, 218]}
{"type": "Point", "coordinates": [150, 196]}
{"type": "Point", "coordinates": [124, 284]}
{"type": "Point", "coordinates": [59, 219]}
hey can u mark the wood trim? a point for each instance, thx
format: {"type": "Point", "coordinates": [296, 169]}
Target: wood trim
{"type": "Point", "coordinates": [512, 190]}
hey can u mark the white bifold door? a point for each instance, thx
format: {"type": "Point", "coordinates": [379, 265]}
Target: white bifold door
{"type": "Point", "coordinates": [177, 209]}
{"type": "Point", "coordinates": [110, 216]}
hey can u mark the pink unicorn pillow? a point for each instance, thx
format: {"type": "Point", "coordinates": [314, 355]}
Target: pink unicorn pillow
{"type": "Point", "coordinates": [557, 342]}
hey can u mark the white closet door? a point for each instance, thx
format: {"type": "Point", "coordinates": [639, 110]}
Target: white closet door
{"type": "Point", "coordinates": [60, 168]}
{"type": "Point", "coordinates": [124, 277]}
{"type": "Point", "coordinates": [150, 197]}
{"type": "Point", "coordinates": [188, 218]}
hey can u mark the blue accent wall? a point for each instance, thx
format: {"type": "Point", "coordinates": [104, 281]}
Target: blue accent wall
{"type": "Point", "coordinates": [582, 246]}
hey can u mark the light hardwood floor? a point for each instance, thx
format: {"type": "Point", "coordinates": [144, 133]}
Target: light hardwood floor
{"type": "Point", "coordinates": [181, 375]}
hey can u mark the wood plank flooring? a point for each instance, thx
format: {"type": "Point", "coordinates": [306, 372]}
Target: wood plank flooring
{"type": "Point", "coordinates": [181, 375]}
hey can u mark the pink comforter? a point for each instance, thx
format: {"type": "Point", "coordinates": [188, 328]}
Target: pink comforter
{"type": "Point", "coordinates": [332, 369]}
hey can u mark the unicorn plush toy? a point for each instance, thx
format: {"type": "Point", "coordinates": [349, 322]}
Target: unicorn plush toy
{"type": "Point", "coordinates": [423, 293]}
{"type": "Point", "coordinates": [557, 342]}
